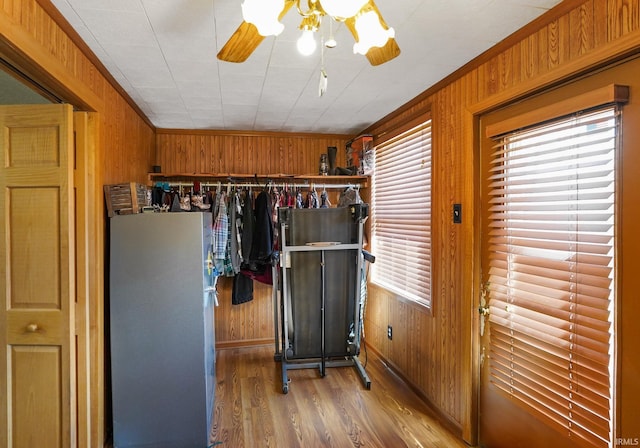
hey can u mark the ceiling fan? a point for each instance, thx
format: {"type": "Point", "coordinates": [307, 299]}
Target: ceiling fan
{"type": "Point", "coordinates": [373, 37]}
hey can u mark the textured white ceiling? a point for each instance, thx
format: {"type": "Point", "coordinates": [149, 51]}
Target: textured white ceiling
{"type": "Point", "coordinates": [163, 53]}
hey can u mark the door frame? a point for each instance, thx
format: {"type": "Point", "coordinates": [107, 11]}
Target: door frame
{"type": "Point", "coordinates": [476, 113]}
{"type": "Point", "coordinates": [45, 75]}
{"type": "Point", "coordinates": [89, 316]}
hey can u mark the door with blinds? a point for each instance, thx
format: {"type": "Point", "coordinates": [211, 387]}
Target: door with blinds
{"type": "Point", "coordinates": [548, 271]}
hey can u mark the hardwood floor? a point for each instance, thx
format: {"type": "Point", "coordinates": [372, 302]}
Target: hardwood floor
{"type": "Point", "coordinates": [334, 411]}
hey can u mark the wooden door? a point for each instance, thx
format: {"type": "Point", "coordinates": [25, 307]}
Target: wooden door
{"type": "Point", "coordinates": [37, 352]}
{"type": "Point", "coordinates": [550, 262]}
{"type": "Point", "coordinates": [504, 424]}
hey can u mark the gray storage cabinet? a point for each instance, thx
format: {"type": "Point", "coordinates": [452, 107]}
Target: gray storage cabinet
{"type": "Point", "coordinates": [161, 326]}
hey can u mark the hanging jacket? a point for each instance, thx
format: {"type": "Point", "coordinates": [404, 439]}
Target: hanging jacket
{"type": "Point", "coordinates": [262, 244]}
{"type": "Point", "coordinates": [242, 289]}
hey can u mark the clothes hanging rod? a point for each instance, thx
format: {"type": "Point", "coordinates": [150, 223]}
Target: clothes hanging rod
{"type": "Point", "coordinates": [311, 185]}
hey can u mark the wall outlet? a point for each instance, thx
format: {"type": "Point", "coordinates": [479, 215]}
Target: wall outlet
{"type": "Point", "coordinates": [389, 332]}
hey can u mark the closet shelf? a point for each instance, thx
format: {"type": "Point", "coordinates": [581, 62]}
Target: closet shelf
{"type": "Point", "coordinates": [277, 177]}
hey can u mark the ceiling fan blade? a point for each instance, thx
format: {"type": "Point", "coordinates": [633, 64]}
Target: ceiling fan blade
{"type": "Point", "coordinates": [376, 55]}
{"type": "Point", "coordinates": [241, 43]}
{"type": "Point", "coordinates": [380, 55]}
{"type": "Point", "coordinates": [246, 39]}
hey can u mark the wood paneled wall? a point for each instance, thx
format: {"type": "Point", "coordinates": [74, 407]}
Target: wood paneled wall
{"type": "Point", "coordinates": [436, 351]}
{"type": "Point", "coordinates": [208, 152]}
{"type": "Point", "coordinates": [246, 324]}
{"type": "Point", "coordinates": [128, 142]}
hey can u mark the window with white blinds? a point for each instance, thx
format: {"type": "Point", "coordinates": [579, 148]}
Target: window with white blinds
{"type": "Point", "coordinates": [401, 214]}
{"type": "Point", "coordinates": [551, 278]}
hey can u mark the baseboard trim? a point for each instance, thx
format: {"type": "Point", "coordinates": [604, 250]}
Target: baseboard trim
{"type": "Point", "coordinates": [244, 343]}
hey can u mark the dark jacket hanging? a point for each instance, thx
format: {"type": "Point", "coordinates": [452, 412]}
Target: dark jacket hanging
{"type": "Point", "coordinates": [242, 289]}
{"type": "Point", "coordinates": [262, 243]}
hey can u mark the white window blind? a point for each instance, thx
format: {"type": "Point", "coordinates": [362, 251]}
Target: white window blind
{"type": "Point", "coordinates": [401, 214]}
{"type": "Point", "coordinates": [551, 256]}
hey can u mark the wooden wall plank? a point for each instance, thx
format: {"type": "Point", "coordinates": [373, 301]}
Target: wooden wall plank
{"type": "Point", "coordinates": [553, 44]}
{"type": "Point", "coordinates": [582, 29]}
{"type": "Point", "coordinates": [623, 17]}
{"type": "Point", "coordinates": [600, 29]}
{"type": "Point", "coordinates": [542, 61]}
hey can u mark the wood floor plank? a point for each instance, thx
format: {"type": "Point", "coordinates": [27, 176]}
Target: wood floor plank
{"type": "Point", "coordinates": [331, 411]}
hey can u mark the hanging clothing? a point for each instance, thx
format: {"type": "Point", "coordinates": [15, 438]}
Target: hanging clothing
{"type": "Point", "coordinates": [259, 266]}
{"type": "Point", "coordinates": [299, 200]}
{"type": "Point", "coordinates": [262, 244]}
{"type": "Point", "coordinates": [220, 231]}
{"type": "Point", "coordinates": [242, 289]}
{"type": "Point", "coordinates": [175, 204]}
{"type": "Point", "coordinates": [235, 237]}
{"type": "Point", "coordinates": [227, 264]}
{"type": "Point", "coordinates": [291, 199]}
{"type": "Point", "coordinates": [248, 226]}
{"type": "Point", "coordinates": [312, 200]}
{"type": "Point", "coordinates": [261, 273]}
{"type": "Point", "coordinates": [348, 197]}
{"type": "Point", "coordinates": [212, 275]}
{"type": "Point", "coordinates": [277, 199]}
{"type": "Point", "coordinates": [156, 196]}
{"type": "Point", "coordinates": [324, 199]}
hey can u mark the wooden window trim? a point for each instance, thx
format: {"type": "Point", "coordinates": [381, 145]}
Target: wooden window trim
{"type": "Point", "coordinates": [610, 94]}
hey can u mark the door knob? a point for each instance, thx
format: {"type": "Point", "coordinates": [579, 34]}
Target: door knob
{"type": "Point", "coordinates": [483, 309]}
{"type": "Point", "coordinates": [32, 328]}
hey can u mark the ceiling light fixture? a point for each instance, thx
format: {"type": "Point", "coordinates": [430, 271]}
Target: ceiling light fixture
{"type": "Point", "coordinates": [343, 9]}
{"type": "Point", "coordinates": [371, 33]}
{"type": "Point", "coordinates": [361, 17]}
{"type": "Point", "coordinates": [307, 42]}
{"type": "Point", "coordinates": [264, 15]}
{"type": "Point", "coordinates": [331, 42]}
{"type": "Point", "coordinates": [368, 25]}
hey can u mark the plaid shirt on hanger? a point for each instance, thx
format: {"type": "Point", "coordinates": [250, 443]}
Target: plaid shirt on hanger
{"type": "Point", "coordinates": [220, 228]}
